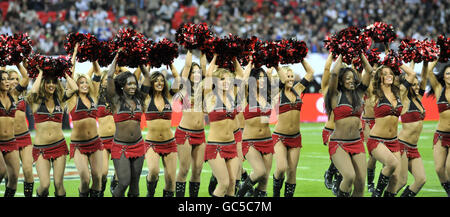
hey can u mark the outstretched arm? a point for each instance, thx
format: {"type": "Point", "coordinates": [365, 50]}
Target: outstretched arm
{"type": "Point", "coordinates": [111, 88]}
{"type": "Point", "coordinates": [326, 72]}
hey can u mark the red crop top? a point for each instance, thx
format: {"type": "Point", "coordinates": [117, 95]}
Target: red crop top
{"type": "Point", "coordinates": [442, 102]}
{"type": "Point", "coordinates": [286, 105]}
{"type": "Point", "coordinates": [220, 112]}
{"type": "Point", "coordinates": [256, 111]}
{"type": "Point", "coordinates": [42, 114]}
{"type": "Point", "coordinates": [153, 113]}
{"type": "Point", "coordinates": [11, 112]}
{"type": "Point", "coordinates": [384, 108]}
{"type": "Point", "coordinates": [80, 111]}
{"type": "Point", "coordinates": [125, 113]}
{"type": "Point", "coordinates": [344, 109]}
{"type": "Point", "coordinates": [103, 109]}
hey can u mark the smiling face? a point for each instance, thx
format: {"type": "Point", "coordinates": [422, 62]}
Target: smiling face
{"type": "Point", "coordinates": [130, 86]}
{"type": "Point", "coordinates": [387, 76]}
{"type": "Point", "coordinates": [50, 86]}
{"type": "Point", "coordinates": [196, 74]}
{"type": "Point", "coordinates": [225, 82]}
{"type": "Point", "coordinates": [13, 79]}
{"type": "Point", "coordinates": [158, 85]}
{"type": "Point", "coordinates": [289, 79]}
{"type": "Point", "coordinates": [261, 80]}
{"type": "Point", "coordinates": [348, 80]}
{"type": "Point", "coordinates": [4, 82]}
{"type": "Point", "coordinates": [83, 85]}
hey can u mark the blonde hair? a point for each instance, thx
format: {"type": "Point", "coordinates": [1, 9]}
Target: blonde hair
{"type": "Point", "coordinates": [78, 76]}
{"type": "Point", "coordinates": [221, 72]}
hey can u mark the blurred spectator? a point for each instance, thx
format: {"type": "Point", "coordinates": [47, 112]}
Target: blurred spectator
{"type": "Point", "coordinates": [310, 21]}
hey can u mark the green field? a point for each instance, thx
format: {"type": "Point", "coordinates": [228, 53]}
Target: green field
{"type": "Point", "coordinates": [314, 160]}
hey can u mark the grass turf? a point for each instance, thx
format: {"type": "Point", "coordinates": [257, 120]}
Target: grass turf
{"type": "Point", "coordinates": [314, 160]}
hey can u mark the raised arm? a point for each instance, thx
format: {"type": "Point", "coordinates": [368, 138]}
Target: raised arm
{"type": "Point", "coordinates": [97, 78]}
{"type": "Point", "coordinates": [410, 73]}
{"type": "Point", "coordinates": [437, 87]}
{"type": "Point", "coordinates": [146, 73]}
{"type": "Point", "coordinates": [37, 82]}
{"type": "Point", "coordinates": [74, 57]}
{"type": "Point", "coordinates": [25, 79]}
{"type": "Point", "coordinates": [71, 86]}
{"type": "Point", "coordinates": [332, 88]}
{"type": "Point", "coordinates": [211, 67]}
{"type": "Point", "coordinates": [186, 68]}
{"type": "Point", "coordinates": [367, 67]}
{"type": "Point", "coordinates": [203, 62]}
{"type": "Point", "coordinates": [309, 70]}
{"type": "Point", "coordinates": [326, 72]}
{"type": "Point", "coordinates": [111, 88]}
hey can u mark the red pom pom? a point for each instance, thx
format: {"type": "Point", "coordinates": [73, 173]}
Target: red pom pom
{"type": "Point", "coordinates": [136, 48]}
{"type": "Point", "coordinates": [194, 36]}
{"type": "Point", "coordinates": [107, 52]}
{"type": "Point", "coordinates": [444, 47]}
{"type": "Point", "coordinates": [348, 42]}
{"type": "Point", "coordinates": [408, 50]}
{"type": "Point", "coordinates": [163, 53]}
{"type": "Point", "coordinates": [13, 49]}
{"type": "Point", "coordinates": [381, 32]}
{"type": "Point", "coordinates": [292, 51]}
{"type": "Point", "coordinates": [71, 40]}
{"type": "Point", "coordinates": [51, 66]}
{"type": "Point", "coordinates": [428, 50]}
{"type": "Point", "coordinates": [266, 53]}
{"type": "Point", "coordinates": [394, 61]}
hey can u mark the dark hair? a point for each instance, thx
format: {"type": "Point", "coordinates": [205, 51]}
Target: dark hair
{"type": "Point", "coordinates": [253, 88]}
{"type": "Point", "coordinates": [411, 93]}
{"type": "Point", "coordinates": [119, 82]}
{"type": "Point", "coordinates": [440, 79]}
{"type": "Point", "coordinates": [377, 91]}
{"type": "Point", "coordinates": [356, 96]}
{"type": "Point", "coordinates": [153, 77]}
{"type": "Point", "coordinates": [3, 71]}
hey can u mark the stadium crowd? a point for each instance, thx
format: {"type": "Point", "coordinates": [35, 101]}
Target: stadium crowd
{"type": "Point", "coordinates": [48, 22]}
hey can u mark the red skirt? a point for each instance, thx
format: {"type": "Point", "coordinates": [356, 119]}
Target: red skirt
{"type": "Point", "coordinates": [326, 133]}
{"type": "Point", "coordinates": [264, 145]}
{"type": "Point", "coordinates": [23, 140]}
{"type": "Point", "coordinates": [51, 151]}
{"type": "Point", "coordinates": [391, 144]}
{"type": "Point", "coordinates": [85, 146]}
{"type": "Point", "coordinates": [130, 149]}
{"type": "Point", "coordinates": [8, 145]}
{"type": "Point", "coordinates": [352, 146]}
{"type": "Point", "coordinates": [107, 142]}
{"type": "Point", "coordinates": [238, 135]}
{"type": "Point", "coordinates": [443, 136]}
{"type": "Point", "coordinates": [226, 150]}
{"type": "Point", "coordinates": [195, 137]}
{"type": "Point", "coordinates": [411, 149]}
{"type": "Point", "coordinates": [290, 141]}
{"type": "Point", "coordinates": [163, 147]}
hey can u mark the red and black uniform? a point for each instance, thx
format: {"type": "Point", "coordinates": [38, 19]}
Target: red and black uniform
{"type": "Point", "coordinates": [227, 150]}
{"type": "Point", "coordinates": [344, 110]}
{"type": "Point", "coordinates": [56, 149]}
{"type": "Point", "coordinates": [382, 109]}
{"type": "Point", "coordinates": [443, 105]}
{"type": "Point", "coordinates": [80, 112]}
{"type": "Point", "coordinates": [263, 145]}
{"type": "Point", "coordinates": [8, 145]}
{"type": "Point", "coordinates": [130, 149]}
{"type": "Point", "coordinates": [152, 113]}
{"type": "Point", "coordinates": [285, 105]}
{"type": "Point", "coordinates": [24, 139]}
{"type": "Point", "coordinates": [104, 110]}
{"type": "Point", "coordinates": [195, 137]}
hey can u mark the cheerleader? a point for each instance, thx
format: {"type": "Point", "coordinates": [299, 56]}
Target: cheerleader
{"type": "Point", "coordinates": [412, 117]}
{"type": "Point", "coordinates": [190, 134]}
{"type": "Point", "coordinates": [159, 142]}
{"type": "Point", "coordinates": [441, 142]}
{"type": "Point", "coordinates": [50, 148]}
{"type": "Point", "coordinates": [22, 134]}
{"type": "Point", "coordinates": [8, 147]}
{"type": "Point", "coordinates": [221, 152]}
{"type": "Point", "coordinates": [383, 143]}
{"type": "Point", "coordinates": [257, 143]}
{"type": "Point", "coordinates": [128, 148]}
{"type": "Point", "coordinates": [286, 136]}
{"type": "Point", "coordinates": [346, 149]}
{"type": "Point", "coordinates": [85, 144]}
{"type": "Point", "coordinates": [331, 172]}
